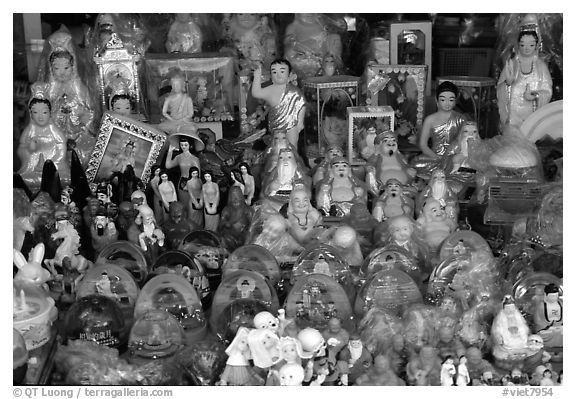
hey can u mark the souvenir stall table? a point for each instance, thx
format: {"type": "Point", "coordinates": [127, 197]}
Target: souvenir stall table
{"type": "Point", "coordinates": [217, 215]}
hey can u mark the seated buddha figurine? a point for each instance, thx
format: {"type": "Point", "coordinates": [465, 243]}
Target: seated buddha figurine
{"type": "Point", "coordinates": [307, 42]}
{"type": "Point", "coordinates": [178, 108]}
{"type": "Point", "coordinates": [434, 224]}
{"type": "Point", "coordinates": [548, 317]}
{"type": "Point", "coordinates": [393, 202]}
{"type": "Point", "coordinates": [73, 108]}
{"type": "Point", "coordinates": [339, 190]}
{"type": "Point", "coordinates": [387, 163]}
{"type": "Point", "coordinates": [509, 336]}
{"type": "Point", "coordinates": [41, 140]}
{"type": "Point", "coordinates": [280, 182]}
{"type": "Point", "coordinates": [305, 222]}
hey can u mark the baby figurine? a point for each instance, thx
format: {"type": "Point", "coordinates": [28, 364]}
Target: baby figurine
{"type": "Point", "coordinates": [184, 35]}
{"type": "Point", "coordinates": [434, 224]}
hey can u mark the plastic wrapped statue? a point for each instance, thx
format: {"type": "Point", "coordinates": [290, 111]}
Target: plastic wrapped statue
{"type": "Point", "coordinates": [286, 102]}
{"type": "Point", "coordinates": [184, 35]}
{"type": "Point", "coordinates": [253, 39]}
{"type": "Point", "coordinates": [276, 238]}
{"type": "Point", "coordinates": [525, 83]}
{"type": "Point", "coordinates": [41, 140]}
{"type": "Point", "coordinates": [309, 39]}
{"type": "Point", "coordinates": [73, 108]}
{"type": "Point", "coordinates": [339, 190]}
{"type": "Point", "coordinates": [509, 335]}
{"type": "Point", "coordinates": [441, 128]}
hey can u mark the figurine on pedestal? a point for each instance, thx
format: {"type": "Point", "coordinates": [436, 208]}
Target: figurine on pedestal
{"type": "Point", "coordinates": [387, 163]}
{"type": "Point", "coordinates": [441, 127]}
{"type": "Point", "coordinates": [307, 41]}
{"type": "Point", "coordinates": [285, 100]}
{"type": "Point", "coordinates": [525, 83]}
{"type": "Point", "coordinates": [73, 108]}
{"type": "Point", "coordinates": [339, 190]}
{"type": "Point", "coordinates": [41, 140]}
{"type": "Point", "coordinates": [393, 202]}
{"type": "Point", "coordinates": [184, 35]}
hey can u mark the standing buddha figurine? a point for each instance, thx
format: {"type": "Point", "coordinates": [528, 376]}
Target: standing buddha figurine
{"type": "Point", "coordinates": [525, 83]}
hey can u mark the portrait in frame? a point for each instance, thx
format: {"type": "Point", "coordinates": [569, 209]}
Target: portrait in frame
{"type": "Point", "coordinates": [401, 87]}
{"type": "Point", "coordinates": [123, 141]}
{"type": "Point", "coordinates": [360, 119]}
{"type": "Point", "coordinates": [411, 44]}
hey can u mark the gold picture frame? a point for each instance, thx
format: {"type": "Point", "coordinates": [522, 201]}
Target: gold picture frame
{"type": "Point", "coordinates": [111, 154]}
{"type": "Point", "coordinates": [403, 88]}
{"type": "Point", "coordinates": [358, 120]}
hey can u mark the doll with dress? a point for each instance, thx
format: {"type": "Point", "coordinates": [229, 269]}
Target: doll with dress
{"type": "Point", "coordinates": [238, 370]}
{"type": "Point", "coordinates": [73, 108]}
{"type": "Point", "coordinates": [41, 140]}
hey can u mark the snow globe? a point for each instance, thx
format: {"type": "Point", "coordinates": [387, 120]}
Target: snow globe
{"type": "Point", "coordinates": [127, 255]}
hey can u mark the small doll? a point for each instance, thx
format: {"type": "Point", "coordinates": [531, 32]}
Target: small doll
{"type": "Point", "coordinates": [238, 370]}
{"type": "Point", "coordinates": [265, 347]}
{"type": "Point", "coordinates": [393, 202]}
{"type": "Point", "coordinates": [462, 376]}
{"type": "Point", "coordinates": [448, 371]}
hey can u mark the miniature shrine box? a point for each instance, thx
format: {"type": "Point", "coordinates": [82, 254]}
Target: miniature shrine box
{"type": "Point", "coordinates": [358, 120]}
{"type": "Point", "coordinates": [477, 100]}
{"type": "Point", "coordinates": [328, 97]}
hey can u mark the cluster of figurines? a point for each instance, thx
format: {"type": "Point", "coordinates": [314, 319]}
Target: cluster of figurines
{"type": "Point", "coordinates": [275, 199]}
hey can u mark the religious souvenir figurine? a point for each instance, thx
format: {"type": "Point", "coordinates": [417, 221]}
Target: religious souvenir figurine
{"type": "Point", "coordinates": [73, 108]}
{"type": "Point", "coordinates": [41, 140]}
{"type": "Point", "coordinates": [538, 356]}
{"type": "Point", "coordinates": [462, 376]}
{"type": "Point", "coordinates": [357, 356]}
{"type": "Point", "coordinates": [380, 374]}
{"type": "Point", "coordinates": [509, 336]}
{"type": "Point", "coordinates": [147, 235]}
{"type": "Point", "coordinates": [434, 224]}
{"type": "Point", "coordinates": [307, 41]}
{"type": "Point", "coordinates": [548, 317]}
{"type": "Point", "coordinates": [304, 220]}
{"type": "Point", "coordinates": [281, 182]}
{"type": "Point", "coordinates": [285, 100]}
{"type": "Point", "coordinates": [441, 190]}
{"type": "Point", "coordinates": [447, 372]}
{"type": "Point", "coordinates": [252, 38]}
{"type": "Point", "coordinates": [177, 226]}
{"type": "Point", "coordinates": [211, 197]}
{"type": "Point", "coordinates": [339, 190]}
{"type": "Point", "coordinates": [525, 83]}
{"type": "Point", "coordinates": [270, 156]}
{"type": "Point", "coordinates": [324, 167]}
{"type": "Point", "coordinates": [249, 183]}
{"type": "Point", "coordinates": [462, 149]}
{"type": "Point", "coordinates": [393, 202]}
{"type": "Point", "coordinates": [102, 230]}
{"type": "Point", "coordinates": [336, 337]}
{"type": "Point", "coordinates": [235, 220]}
{"type": "Point", "coordinates": [184, 161]}
{"type": "Point", "coordinates": [441, 127]}
{"type": "Point", "coordinates": [424, 368]}
{"type": "Point", "coordinates": [276, 238]}
{"type": "Point", "coordinates": [178, 108]}
{"type": "Point", "coordinates": [184, 36]}
{"type": "Point", "coordinates": [387, 163]}
{"type": "Point", "coordinates": [238, 370]}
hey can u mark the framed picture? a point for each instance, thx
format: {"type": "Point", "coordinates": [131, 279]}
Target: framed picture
{"type": "Point", "coordinates": [360, 119]}
{"type": "Point", "coordinates": [209, 82]}
{"type": "Point", "coordinates": [411, 44]}
{"type": "Point", "coordinates": [402, 88]}
{"type": "Point", "coordinates": [124, 141]}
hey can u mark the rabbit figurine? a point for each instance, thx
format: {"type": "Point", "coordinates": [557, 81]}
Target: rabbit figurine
{"type": "Point", "coordinates": [32, 270]}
